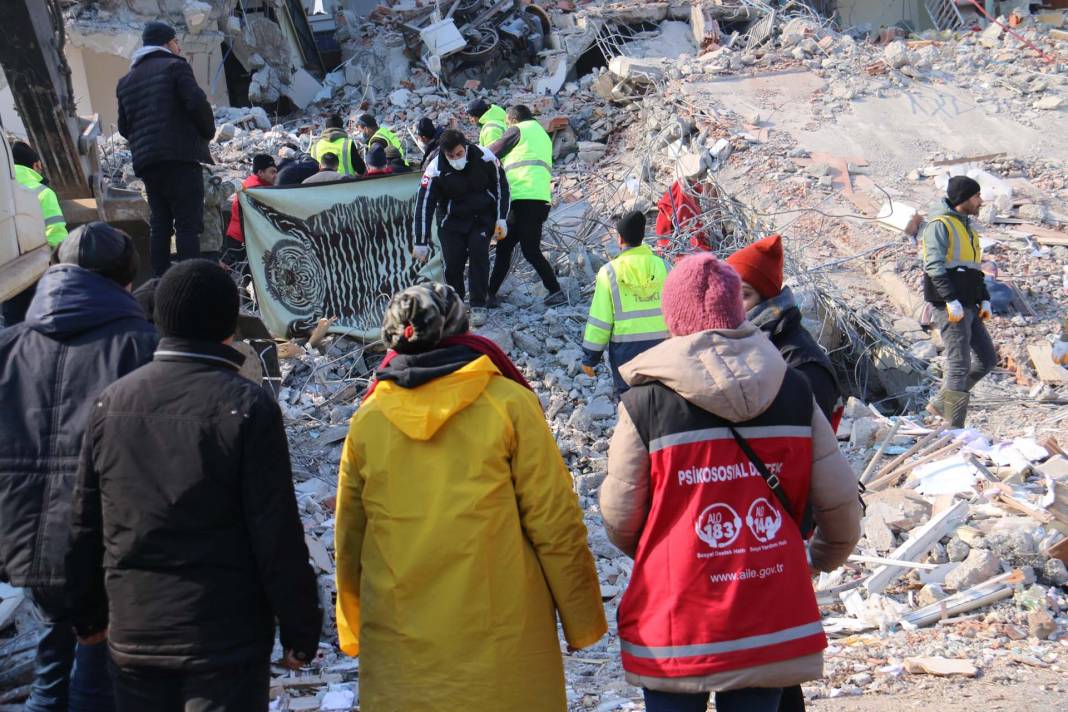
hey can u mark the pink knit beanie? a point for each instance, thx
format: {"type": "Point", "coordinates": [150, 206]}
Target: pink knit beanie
{"type": "Point", "coordinates": [701, 293]}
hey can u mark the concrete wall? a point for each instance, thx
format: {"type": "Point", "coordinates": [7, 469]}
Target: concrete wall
{"type": "Point", "coordinates": [880, 13]}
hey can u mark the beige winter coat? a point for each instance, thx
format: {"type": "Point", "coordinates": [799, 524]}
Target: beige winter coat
{"type": "Point", "coordinates": [735, 374]}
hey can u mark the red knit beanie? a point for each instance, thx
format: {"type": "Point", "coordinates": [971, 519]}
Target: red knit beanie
{"type": "Point", "coordinates": [760, 265]}
{"type": "Point", "coordinates": [701, 293]}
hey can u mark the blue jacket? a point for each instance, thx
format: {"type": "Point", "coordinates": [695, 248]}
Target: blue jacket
{"type": "Point", "coordinates": [82, 332]}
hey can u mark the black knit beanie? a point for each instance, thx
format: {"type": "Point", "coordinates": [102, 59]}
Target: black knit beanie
{"type": "Point", "coordinates": [425, 128]}
{"type": "Point", "coordinates": [196, 299]}
{"type": "Point", "coordinates": [261, 162]}
{"type": "Point", "coordinates": [101, 248]}
{"type": "Point", "coordinates": [376, 157]}
{"type": "Point", "coordinates": [960, 189]}
{"type": "Point", "coordinates": [477, 107]}
{"type": "Point", "coordinates": [631, 228]}
{"type": "Point", "coordinates": [157, 34]}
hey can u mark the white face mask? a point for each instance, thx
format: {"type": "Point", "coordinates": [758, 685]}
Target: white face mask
{"type": "Point", "coordinates": [458, 163]}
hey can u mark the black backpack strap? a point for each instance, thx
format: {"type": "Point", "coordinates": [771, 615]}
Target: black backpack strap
{"type": "Point", "coordinates": [806, 523]}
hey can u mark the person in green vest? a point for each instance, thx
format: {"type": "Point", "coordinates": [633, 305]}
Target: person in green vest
{"type": "Point", "coordinates": [28, 168]}
{"type": "Point", "coordinates": [334, 140]}
{"type": "Point", "coordinates": [526, 152]}
{"type": "Point", "coordinates": [491, 118]}
{"type": "Point", "coordinates": [625, 314]}
{"type": "Point", "coordinates": [373, 135]}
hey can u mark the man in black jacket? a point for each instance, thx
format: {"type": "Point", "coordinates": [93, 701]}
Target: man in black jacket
{"type": "Point", "coordinates": [83, 331]}
{"type": "Point", "coordinates": [168, 122]}
{"type": "Point", "coordinates": [468, 182]}
{"type": "Point", "coordinates": [187, 543]}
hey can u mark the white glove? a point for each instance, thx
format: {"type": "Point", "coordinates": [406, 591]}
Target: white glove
{"type": "Point", "coordinates": [501, 231]}
{"type": "Point", "coordinates": [1060, 352]}
{"type": "Point", "coordinates": [955, 311]}
{"type": "Point", "coordinates": [985, 311]}
{"type": "Point", "coordinates": [421, 253]}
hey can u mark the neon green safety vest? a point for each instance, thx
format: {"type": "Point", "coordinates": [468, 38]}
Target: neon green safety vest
{"type": "Point", "coordinates": [54, 223]}
{"type": "Point", "coordinates": [626, 300]}
{"type": "Point", "coordinates": [964, 248]}
{"type": "Point", "coordinates": [340, 147]}
{"type": "Point", "coordinates": [390, 138]}
{"type": "Point", "coordinates": [529, 165]}
{"type": "Point", "coordinates": [494, 123]}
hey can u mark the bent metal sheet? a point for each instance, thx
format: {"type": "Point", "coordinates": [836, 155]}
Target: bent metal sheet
{"type": "Point", "coordinates": [338, 249]}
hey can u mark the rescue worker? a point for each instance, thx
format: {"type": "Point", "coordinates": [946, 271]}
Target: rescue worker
{"type": "Point", "coordinates": [771, 308]}
{"type": "Point", "coordinates": [625, 313]}
{"type": "Point", "coordinates": [467, 182]}
{"type": "Point", "coordinates": [264, 172]}
{"type": "Point", "coordinates": [427, 136]}
{"type": "Point", "coordinates": [375, 135]}
{"type": "Point", "coordinates": [458, 538]}
{"type": "Point", "coordinates": [490, 117]}
{"type": "Point", "coordinates": [526, 152]}
{"type": "Point", "coordinates": [167, 120]}
{"type": "Point", "coordinates": [28, 170]}
{"type": "Point", "coordinates": [717, 449]}
{"type": "Point", "coordinates": [334, 140]}
{"type": "Point", "coordinates": [953, 284]}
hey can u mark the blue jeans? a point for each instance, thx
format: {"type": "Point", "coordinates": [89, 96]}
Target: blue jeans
{"type": "Point", "coordinates": [67, 675]}
{"type": "Point", "coordinates": [750, 699]}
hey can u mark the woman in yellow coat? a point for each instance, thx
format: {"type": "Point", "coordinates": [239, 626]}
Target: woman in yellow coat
{"type": "Point", "coordinates": [458, 535]}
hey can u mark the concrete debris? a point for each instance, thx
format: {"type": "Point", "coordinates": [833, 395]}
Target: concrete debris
{"type": "Point", "coordinates": [940, 666]}
{"type": "Point", "coordinates": [978, 566]}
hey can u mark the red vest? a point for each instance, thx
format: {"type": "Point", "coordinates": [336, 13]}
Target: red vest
{"type": "Point", "coordinates": [234, 229]}
{"type": "Point", "coordinates": [720, 579]}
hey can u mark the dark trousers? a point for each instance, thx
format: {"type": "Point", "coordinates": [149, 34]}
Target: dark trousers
{"type": "Point", "coordinates": [13, 310]}
{"type": "Point", "coordinates": [468, 249]}
{"type": "Point", "coordinates": [961, 339]}
{"type": "Point", "coordinates": [67, 675]}
{"type": "Point", "coordinates": [243, 688]}
{"type": "Point", "coordinates": [176, 203]}
{"type": "Point", "coordinates": [750, 699]}
{"type": "Point", "coordinates": [525, 219]}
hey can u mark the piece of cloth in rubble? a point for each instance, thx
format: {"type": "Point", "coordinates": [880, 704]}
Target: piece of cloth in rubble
{"type": "Point", "coordinates": [458, 539]}
{"type": "Point", "coordinates": [679, 207]}
{"type": "Point", "coordinates": [780, 318]}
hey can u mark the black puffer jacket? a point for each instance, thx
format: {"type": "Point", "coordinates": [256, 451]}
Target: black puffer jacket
{"type": "Point", "coordinates": [82, 332]}
{"type": "Point", "coordinates": [187, 540]}
{"type": "Point", "coordinates": [163, 114]}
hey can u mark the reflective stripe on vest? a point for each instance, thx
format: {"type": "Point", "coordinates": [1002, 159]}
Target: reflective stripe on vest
{"type": "Point", "coordinates": [529, 165]}
{"type": "Point", "coordinates": [723, 646]}
{"type": "Point", "coordinates": [964, 248]}
{"type": "Point", "coordinates": [710, 434]}
{"type": "Point", "coordinates": [628, 326]}
{"type": "Point", "coordinates": [391, 139]}
{"type": "Point", "coordinates": [340, 147]}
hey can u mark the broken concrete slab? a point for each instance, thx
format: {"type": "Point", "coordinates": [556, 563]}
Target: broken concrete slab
{"type": "Point", "coordinates": [978, 566]}
{"type": "Point", "coordinates": [943, 667]}
{"type": "Point", "coordinates": [302, 88]}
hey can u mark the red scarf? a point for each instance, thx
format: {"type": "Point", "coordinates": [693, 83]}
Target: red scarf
{"type": "Point", "coordinates": [479, 344]}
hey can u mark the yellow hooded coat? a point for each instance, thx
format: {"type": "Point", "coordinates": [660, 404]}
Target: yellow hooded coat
{"type": "Point", "coordinates": [458, 538]}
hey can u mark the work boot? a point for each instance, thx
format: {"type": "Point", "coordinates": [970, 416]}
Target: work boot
{"type": "Point", "coordinates": [936, 406]}
{"type": "Point", "coordinates": [477, 317]}
{"type": "Point", "coordinates": [955, 407]}
{"type": "Point", "coordinates": [555, 299]}
{"type": "Point", "coordinates": [493, 301]}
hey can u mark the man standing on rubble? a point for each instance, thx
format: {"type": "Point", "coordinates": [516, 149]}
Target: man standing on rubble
{"type": "Point", "coordinates": [526, 152]}
{"type": "Point", "coordinates": [375, 135]}
{"type": "Point", "coordinates": [491, 118]}
{"type": "Point", "coordinates": [83, 331]}
{"type": "Point", "coordinates": [953, 284]}
{"type": "Point", "coordinates": [167, 120]}
{"type": "Point", "coordinates": [334, 140]}
{"type": "Point", "coordinates": [772, 308]}
{"type": "Point", "coordinates": [468, 182]}
{"type": "Point", "coordinates": [625, 313]}
{"type": "Point", "coordinates": [187, 544]}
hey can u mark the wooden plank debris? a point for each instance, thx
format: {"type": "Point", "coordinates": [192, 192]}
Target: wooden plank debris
{"type": "Point", "coordinates": [870, 469]}
{"type": "Point", "coordinates": [1042, 357]}
{"type": "Point", "coordinates": [918, 544]}
{"type": "Point", "coordinates": [943, 667]}
{"type": "Point", "coordinates": [968, 159]}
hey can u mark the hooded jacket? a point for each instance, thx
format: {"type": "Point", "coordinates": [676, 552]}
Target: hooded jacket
{"type": "Point", "coordinates": [163, 113]}
{"type": "Point", "coordinates": [186, 541]}
{"type": "Point", "coordinates": [82, 332]}
{"type": "Point", "coordinates": [732, 376]}
{"type": "Point", "coordinates": [458, 541]}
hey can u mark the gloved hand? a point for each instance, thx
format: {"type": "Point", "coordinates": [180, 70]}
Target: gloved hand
{"type": "Point", "coordinates": [589, 371]}
{"type": "Point", "coordinates": [985, 311]}
{"type": "Point", "coordinates": [955, 311]}
{"type": "Point", "coordinates": [421, 253]}
{"type": "Point", "coordinates": [501, 231]}
{"type": "Point", "coordinates": [1060, 352]}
